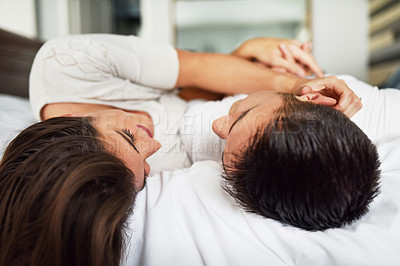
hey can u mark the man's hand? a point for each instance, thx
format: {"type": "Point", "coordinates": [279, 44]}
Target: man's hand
{"type": "Point", "coordinates": [282, 55]}
{"type": "Point", "coordinates": [333, 92]}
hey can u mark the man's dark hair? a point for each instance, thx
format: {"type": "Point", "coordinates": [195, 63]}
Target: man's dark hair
{"type": "Point", "coordinates": [310, 167]}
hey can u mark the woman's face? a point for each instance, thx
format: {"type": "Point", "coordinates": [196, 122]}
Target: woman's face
{"type": "Point", "coordinates": [243, 120]}
{"type": "Point", "coordinates": [128, 137]}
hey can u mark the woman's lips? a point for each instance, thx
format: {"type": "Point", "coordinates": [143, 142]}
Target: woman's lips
{"type": "Point", "coordinates": [145, 129]}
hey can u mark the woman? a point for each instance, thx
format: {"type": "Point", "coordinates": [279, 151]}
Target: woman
{"type": "Point", "coordinates": [122, 86]}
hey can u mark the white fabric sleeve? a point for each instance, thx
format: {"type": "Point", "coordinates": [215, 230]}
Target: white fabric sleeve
{"type": "Point", "coordinates": [378, 117]}
{"type": "Point", "coordinates": [196, 132]}
{"type": "Point", "coordinates": [102, 67]}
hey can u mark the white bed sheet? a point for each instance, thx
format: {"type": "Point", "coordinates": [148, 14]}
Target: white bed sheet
{"type": "Point", "coordinates": [190, 220]}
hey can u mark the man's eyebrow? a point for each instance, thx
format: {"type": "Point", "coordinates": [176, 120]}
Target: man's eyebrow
{"type": "Point", "coordinates": [240, 117]}
{"type": "Point", "coordinates": [127, 139]}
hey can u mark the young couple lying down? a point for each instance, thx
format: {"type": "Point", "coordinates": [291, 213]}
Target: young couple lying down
{"type": "Point", "coordinates": [295, 155]}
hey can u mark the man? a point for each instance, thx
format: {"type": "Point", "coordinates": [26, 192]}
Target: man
{"type": "Point", "coordinates": [190, 219]}
{"type": "Point", "coordinates": [299, 163]}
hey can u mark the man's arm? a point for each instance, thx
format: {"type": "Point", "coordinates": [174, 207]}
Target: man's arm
{"type": "Point", "coordinates": [228, 74]}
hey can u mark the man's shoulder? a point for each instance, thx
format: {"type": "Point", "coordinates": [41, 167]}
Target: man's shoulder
{"type": "Point", "coordinates": [206, 173]}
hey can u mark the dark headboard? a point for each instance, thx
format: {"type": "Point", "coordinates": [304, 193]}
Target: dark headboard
{"type": "Point", "coordinates": [16, 57]}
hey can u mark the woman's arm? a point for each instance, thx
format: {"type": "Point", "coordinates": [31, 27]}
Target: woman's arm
{"type": "Point", "coordinates": [100, 69]}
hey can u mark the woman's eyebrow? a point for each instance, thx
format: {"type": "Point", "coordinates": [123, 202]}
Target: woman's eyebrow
{"type": "Point", "coordinates": [127, 139]}
{"type": "Point", "coordinates": [242, 115]}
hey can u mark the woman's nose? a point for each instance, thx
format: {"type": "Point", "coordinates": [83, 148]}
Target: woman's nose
{"type": "Point", "coordinates": [221, 127]}
{"type": "Point", "coordinates": [148, 147]}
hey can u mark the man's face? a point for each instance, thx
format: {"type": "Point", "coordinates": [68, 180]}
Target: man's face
{"type": "Point", "coordinates": [243, 120]}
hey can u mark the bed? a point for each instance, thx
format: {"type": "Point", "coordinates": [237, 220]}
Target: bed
{"type": "Point", "coordinates": [373, 240]}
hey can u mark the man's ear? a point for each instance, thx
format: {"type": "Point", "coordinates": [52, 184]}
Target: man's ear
{"type": "Point", "coordinates": [317, 98]}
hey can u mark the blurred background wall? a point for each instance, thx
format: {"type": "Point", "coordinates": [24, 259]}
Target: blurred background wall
{"type": "Point", "coordinates": [357, 37]}
{"type": "Point", "coordinates": [19, 17]}
{"type": "Point", "coordinates": [340, 36]}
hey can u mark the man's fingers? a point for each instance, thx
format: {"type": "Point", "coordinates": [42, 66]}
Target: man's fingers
{"type": "Point", "coordinates": [324, 100]}
{"type": "Point", "coordinates": [279, 69]}
{"type": "Point", "coordinates": [286, 54]}
{"type": "Point", "coordinates": [348, 101]}
{"type": "Point", "coordinates": [334, 88]}
{"type": "Point", "coordinates": [295, 42]}
{"type": "Point", "coordinates": [297, 69]}
{"type": "Point", "coordinates": [289, 66]}
{"type": "Point", "coordinates": [350, 105]}
{"type": "Point", "coordinates": [306, 47]}
{"type": "Point", "coordinates": [312, 88]}
{"type": "Point", "coordinates": [317, 98]}
{"type": "Point", "coordinates": [306, 89]}
{"type": "Point", "coordinates": [306, 59]}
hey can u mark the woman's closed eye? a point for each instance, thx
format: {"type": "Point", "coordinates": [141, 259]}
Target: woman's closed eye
{"type": "Point", "coordinates": [129, 137]}
{"type": "Point", "coordinates": [128, 133]}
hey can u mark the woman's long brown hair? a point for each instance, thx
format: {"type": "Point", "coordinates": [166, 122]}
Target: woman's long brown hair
{"type": "Point", "coordinates": [64, 199]}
